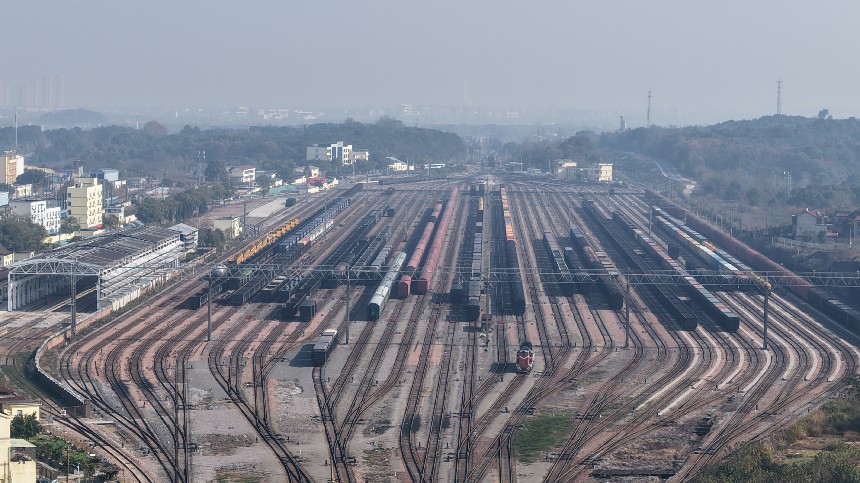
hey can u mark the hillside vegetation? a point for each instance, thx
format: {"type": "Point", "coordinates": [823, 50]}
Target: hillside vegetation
{"type": "Point", "coordinates": [751, 160]}
{"type": "Point", "coordinates": [821, 447]}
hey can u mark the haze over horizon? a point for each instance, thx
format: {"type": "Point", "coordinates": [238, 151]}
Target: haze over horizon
{"type": "Point", "coordinates": [720, 58]}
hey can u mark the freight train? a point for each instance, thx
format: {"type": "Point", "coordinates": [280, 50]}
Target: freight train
{"type": "Point", "coordinates": [422, 283]}
{"type": "Point", "coordinates": [730, 276]}
{"type": "Point", "coordinates": [518, 298]}
{"type": "Point", "coordinates": [264, 242]}
{"type": "Point", "coordinates": [405, 282]}
{"type": "Point", "coordinates": [598, 260]}
{"type": "Point", "coordinates": [201, 298]}
{"type": "Point", "coordinates": [818, 298]}
{"type": "Point", "coordinates": [561, 276]}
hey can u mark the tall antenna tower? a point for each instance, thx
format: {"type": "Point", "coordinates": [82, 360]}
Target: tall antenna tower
{"type": "Point", "coordinates": [648, 121]}
{"type": "Point", "coordinates": [779, 97]}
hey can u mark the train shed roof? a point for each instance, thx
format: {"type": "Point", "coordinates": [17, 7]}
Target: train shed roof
{"type": "Point", "coordinates": [108, 251]}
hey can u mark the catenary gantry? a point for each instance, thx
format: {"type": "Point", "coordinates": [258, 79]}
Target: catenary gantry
{"type": "Point", "coordinates": [119, 266]}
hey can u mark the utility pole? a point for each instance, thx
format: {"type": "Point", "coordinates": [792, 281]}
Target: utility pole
{"type": "Point", "coordinates": [209, 311]}
{"type": "Point", "coordinates": [650, 216]}
{"type": "Point", "coordinates": [627, 316]}
{"type": "Point", "coordinates": [74, 288]}
{"type": "Point", "coordinates": [176, 421]}
{"type": "Point", "coordinates": [766, 299]}
{"type": "Point", "coordinates": [347, 304]}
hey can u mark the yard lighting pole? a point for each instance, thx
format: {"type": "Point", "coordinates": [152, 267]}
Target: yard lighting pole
{"type": "Point", "coordinates": [74, 288]}
{"type": "Point", "coordinates": [627, 316]}
{"type": "Point", "coordinates": [209, 311]}
{"type": "Point", "coordinates": [766, 299]}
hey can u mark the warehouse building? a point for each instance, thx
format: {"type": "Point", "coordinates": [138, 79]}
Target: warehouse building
{"type": "Point", "coordinates": [118, 267]}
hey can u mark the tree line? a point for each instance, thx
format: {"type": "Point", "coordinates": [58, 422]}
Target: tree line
{"type": "Point", "coordinates": [153, 150]}
{"type": "Point", "coordinates": [180, 206]}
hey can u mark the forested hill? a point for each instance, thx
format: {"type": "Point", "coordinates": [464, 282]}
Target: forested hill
{"type": "Point", "coordinates": [142, 152]}
{"type": "Point", "coordinates": [732, 158]}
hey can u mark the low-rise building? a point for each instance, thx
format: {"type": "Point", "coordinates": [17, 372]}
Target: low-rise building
{"type": "Point", "coordinates": [119, 211]}
{"type": "Point", "coordinates": [400, 166]}
{"type": "Point", "coordinates": [38, 212]}
{"type": "Point", "coordinates": [22, 191]}
{"type": "Point", "coordinates": [344, 153]}
{"type": "Point", "coordinates": [588, 172]}
{"type": "Point", "coordinates": [17, 456]}
{"type": "Point", "coordinates": [230, 225]}
{"type": "Point", "coordinates": [105, 174]}
{"type": "Point", "coordinates": [313, 172]}
{"type": "Point", "coordinates": [13, 166]}
{"type": "Point", "coordinates": [809, 223]}
{"type": "Point", "coordinates": [242, 174]}
{"type": "Point", "coordinates": [188, 235]}
{"type": "Point", "coordinates": [6, 256]}
{"type": "Point", "coordinates": [84, 202]}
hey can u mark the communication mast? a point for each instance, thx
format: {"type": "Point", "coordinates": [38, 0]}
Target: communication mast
{"type": "Point", "coordinates": [779, 97]}
{"type": "Point", "coordinates": [648, 122]}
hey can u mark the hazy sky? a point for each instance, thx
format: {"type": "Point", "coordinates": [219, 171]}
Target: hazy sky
{"type": "Point", "coordinates": [697, 56]}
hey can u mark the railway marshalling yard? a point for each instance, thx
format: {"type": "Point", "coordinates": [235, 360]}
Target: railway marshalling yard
{"type": "Point", "coordinates": [423, 393]}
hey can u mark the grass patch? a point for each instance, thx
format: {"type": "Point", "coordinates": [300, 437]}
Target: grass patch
{"type": "Point", "coordinates": [238, 475]}
{"type": "Point", "coordinates": [379, 456]}
{"type": "Point", "coordinates": [541, 433]}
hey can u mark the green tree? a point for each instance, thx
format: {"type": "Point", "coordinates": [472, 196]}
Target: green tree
{"type": "Point", "coordinates": [69, 225]}
{"type": "Point", "coordinates": [110, 221]}
{"type": "Point", "coordinates": [25, 426]}
{"type": "Point", "coordinates": [824, 114]}
{"type": "Point", "coordinates": [215, 170]}
{"type": "Point", "coordinates": [208, 237]}
{"type": "Point", "coordinates": [264, 183]}
{"type": "Point", "coordinates": [155, 129]}
{"type": "Point", "coordinates": [753, 196]}
{"type": "Point", "coordinates": [36, 177]}
{"type": "Point", "coordinates": [21, 235]}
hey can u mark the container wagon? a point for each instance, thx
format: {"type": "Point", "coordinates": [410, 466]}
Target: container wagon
{"type": "Point", "coordinates": [473, 302]}
{"type": "Point", "coordinates": [322, 346]}
{"type": "Point", "coordinates": [307, 310]}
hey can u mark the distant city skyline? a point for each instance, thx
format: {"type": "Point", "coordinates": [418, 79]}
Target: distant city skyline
{"type": "Point", "coordinates": [712, 61]}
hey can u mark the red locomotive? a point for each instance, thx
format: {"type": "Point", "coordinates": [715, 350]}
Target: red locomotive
{"type": "Point", "coordinates": [525, 358]}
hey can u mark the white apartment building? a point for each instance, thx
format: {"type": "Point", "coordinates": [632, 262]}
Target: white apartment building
{"type": "Point", "coordinates": [38, 212]}
{"type": "Point", "coordinates": [337, 152]}
{"type": "Point", "coordinates": [84, 202]}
